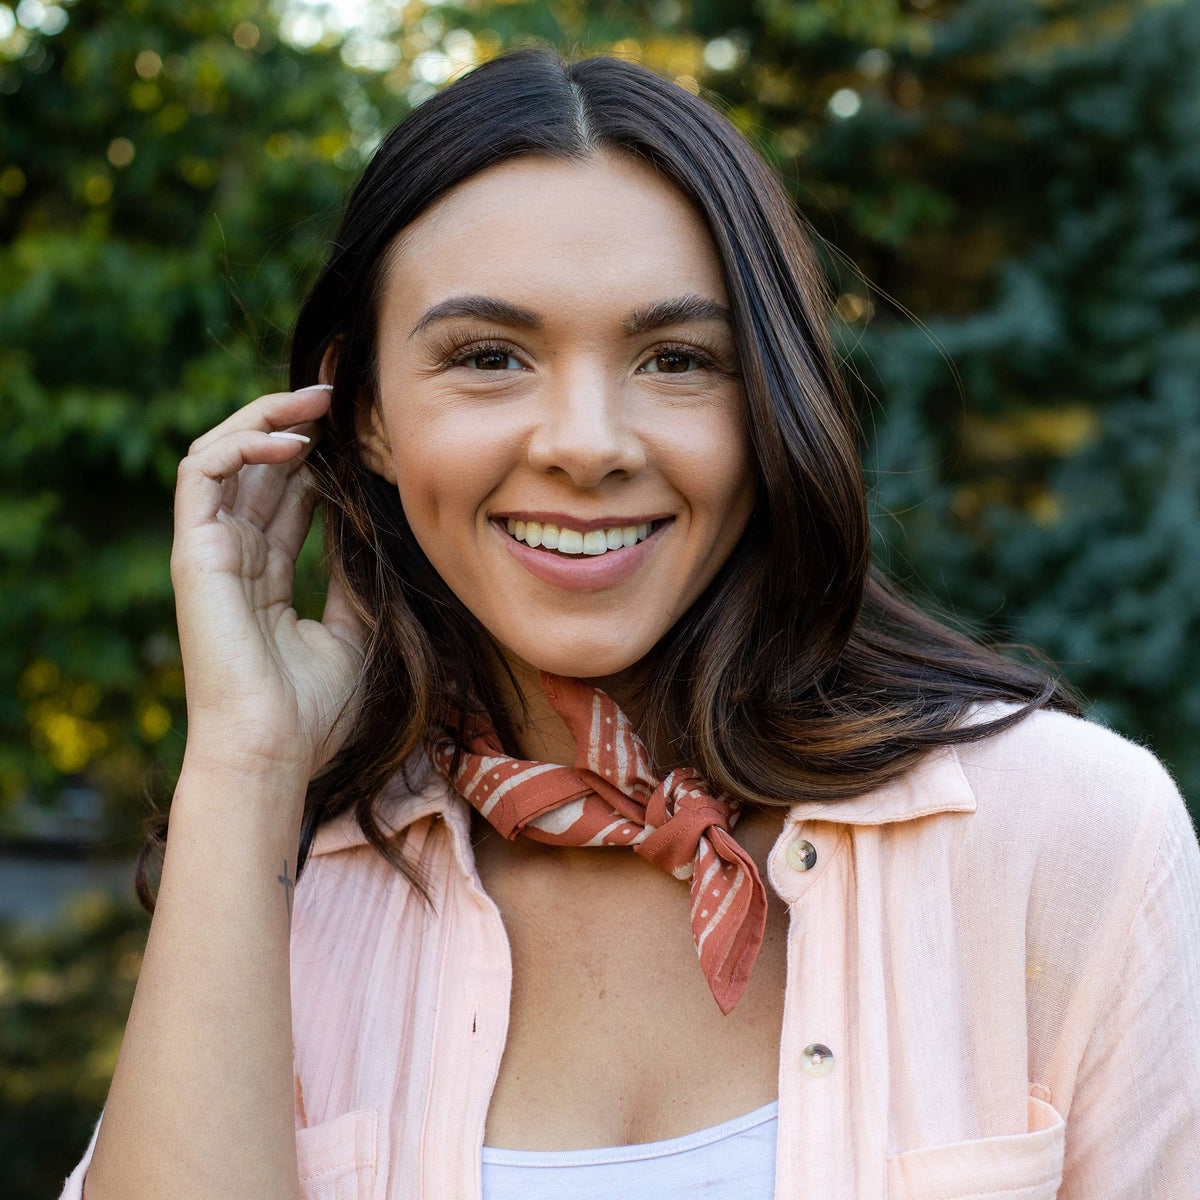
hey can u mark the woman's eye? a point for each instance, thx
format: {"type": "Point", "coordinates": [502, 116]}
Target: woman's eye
{"type": "Point", "coordinates": [489, 358]}
{"type": "Point", "coordinates": [674, 362]}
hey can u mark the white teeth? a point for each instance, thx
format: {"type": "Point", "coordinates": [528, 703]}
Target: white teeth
{"type": "Point", "coordinates": [574, 541]}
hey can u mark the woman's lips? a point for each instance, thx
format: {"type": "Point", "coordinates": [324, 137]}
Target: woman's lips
{"type": "Point", "coordinates": [581, 573]}
{"type": "Point", "coordinates": [567, 521]}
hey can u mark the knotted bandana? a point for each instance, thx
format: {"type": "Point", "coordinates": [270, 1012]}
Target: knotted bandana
{"type": "Point", "coordinates": [611, 797]}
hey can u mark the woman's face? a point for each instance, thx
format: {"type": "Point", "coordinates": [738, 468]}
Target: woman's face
{"type": "Point", "coordinates": [557, 369]}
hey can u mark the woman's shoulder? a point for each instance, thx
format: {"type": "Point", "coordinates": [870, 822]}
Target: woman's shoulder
{"type": "Point", "coordinates": [1058, 762]}
{"type": "Point", "coordinates": [1071, 802]}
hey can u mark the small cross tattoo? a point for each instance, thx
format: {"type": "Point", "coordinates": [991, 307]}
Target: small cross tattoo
{"type": "Point", "coordinates": [288, 885]}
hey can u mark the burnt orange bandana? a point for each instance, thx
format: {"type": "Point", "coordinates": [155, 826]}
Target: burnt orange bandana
{"type": "Point", "coordinates": [612, 797]}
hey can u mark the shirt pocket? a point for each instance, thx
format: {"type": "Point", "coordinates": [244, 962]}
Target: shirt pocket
{"type": "Point", "coordinates": [338, 1158]}
{"type": "Point", "coordinates": [1019, 1166]}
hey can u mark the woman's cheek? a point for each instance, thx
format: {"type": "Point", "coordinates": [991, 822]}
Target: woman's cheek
{"type": "Point", "coordinates": [447, 464]}
{"type": "Point", "coordinates": [708, 457]}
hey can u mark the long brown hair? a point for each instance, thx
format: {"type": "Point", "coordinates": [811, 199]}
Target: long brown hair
{"type": "Point", "coordinates": [801, 673]}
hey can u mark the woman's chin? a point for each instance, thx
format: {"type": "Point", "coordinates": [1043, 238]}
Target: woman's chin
{"type": "Point", "coordinates": [597, 662]}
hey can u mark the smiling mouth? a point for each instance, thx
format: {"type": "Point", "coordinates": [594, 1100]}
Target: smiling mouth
{"type": "Point", "coordinates": [573, 543]}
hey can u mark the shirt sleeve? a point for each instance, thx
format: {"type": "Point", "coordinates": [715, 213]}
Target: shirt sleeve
{"type": "Point", "coordinates": [73, 1188]}
{"type": "Point", "coordinates": [1132, 1130]}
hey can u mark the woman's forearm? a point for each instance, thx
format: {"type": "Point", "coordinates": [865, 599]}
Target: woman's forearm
{"type": "Point", "coordinates": [201, 1103]}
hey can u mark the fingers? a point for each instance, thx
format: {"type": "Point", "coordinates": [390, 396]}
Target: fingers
{"type": "Point", "coordinates": [207, 475]}
{"type": "Point", "coordinates": [291, 517]}
{"type": "Point", "coordinates": [254, 494]}
{"type": "Point", "coordinates": [276, 410]}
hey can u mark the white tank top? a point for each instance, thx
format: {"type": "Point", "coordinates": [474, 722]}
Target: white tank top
{"type": "Point", "coordinates": [734, 1160]}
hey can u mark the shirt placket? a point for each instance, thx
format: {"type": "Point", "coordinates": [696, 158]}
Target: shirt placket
{"type": "Point", "coordinates": [472, 1028]}
{"type": "Point", "coordinates": [833, 1070]}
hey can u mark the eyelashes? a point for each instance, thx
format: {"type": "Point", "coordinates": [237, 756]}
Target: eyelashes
{"type": "Point", "coordinates": [459, 350]}
{"type": "Point", "coordinates": [454, 350]}
{"type": "Point", "coordinates": [457, 356]}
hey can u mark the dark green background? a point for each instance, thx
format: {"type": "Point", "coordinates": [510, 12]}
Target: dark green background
{"type": "Point", "coordinates": [1008, 197]}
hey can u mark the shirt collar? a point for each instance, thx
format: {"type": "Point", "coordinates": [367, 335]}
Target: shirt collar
{"type": "Point", "coordinates": [396, 809]}
{"type": "Point", "coordinates": [936, 784]}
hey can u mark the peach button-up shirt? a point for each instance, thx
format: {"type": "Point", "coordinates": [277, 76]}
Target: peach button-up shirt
{"type": "Point", "coordinates": [993, 988]}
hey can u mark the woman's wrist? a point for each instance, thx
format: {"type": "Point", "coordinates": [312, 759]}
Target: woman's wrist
{"type": "Point", "coordinates": [264, 756]}
{"type": "Point", "coordinates": [234, 779]}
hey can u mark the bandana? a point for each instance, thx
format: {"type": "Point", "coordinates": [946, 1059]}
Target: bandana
{"type": "Point", "coordinates": [613, 797]}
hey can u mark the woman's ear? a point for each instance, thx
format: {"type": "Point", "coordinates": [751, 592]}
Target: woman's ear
{"type": "Point", "coordinates": [328, 365]}
{"type": "Point", "coordinates": [372, 437]}
{"type": "Point", "coordinates": [373, 440]}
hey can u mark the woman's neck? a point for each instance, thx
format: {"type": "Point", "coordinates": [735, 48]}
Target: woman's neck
{"type": "Point", "coordinates": [543, 736]}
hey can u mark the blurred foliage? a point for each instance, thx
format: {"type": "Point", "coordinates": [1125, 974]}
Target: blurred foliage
{"type": "Point", "coordinates": [168, 173]}
{"type": "Point", "coordinates": [1006, 195]}
{"type": "Point", "coordinates": [64, 999]}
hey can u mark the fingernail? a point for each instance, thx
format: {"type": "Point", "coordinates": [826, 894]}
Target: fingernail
{"type": "Point", "coordinates": [283, 433]}
{"type": "Point", "coordinates": [308, 387]}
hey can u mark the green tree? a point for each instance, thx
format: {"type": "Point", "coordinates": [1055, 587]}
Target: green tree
{"type": "Point", "coordinates": [1024, 177]}
{"type": "Point", "coordinates": [168, 175]}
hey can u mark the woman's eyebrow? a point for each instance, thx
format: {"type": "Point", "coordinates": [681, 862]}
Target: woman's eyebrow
{"type": "Point", "coordinates": [658, 314]}
{"type": "Point", "coordinates": [487, 308]}
{"type": "Point", "coordinates": [675, 311]}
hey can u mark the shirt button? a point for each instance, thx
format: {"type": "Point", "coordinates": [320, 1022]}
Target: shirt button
{"type": "Point", "coordinates": [801, 854]}
{"type": "Point", "coordinates": [817, 1059]}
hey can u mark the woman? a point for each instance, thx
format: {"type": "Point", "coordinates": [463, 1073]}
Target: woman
{"type": "Point", "coordinates": [642, 840]}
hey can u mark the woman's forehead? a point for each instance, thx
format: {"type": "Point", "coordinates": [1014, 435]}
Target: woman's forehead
{"type": "Point", "coordinates": [540, 226]}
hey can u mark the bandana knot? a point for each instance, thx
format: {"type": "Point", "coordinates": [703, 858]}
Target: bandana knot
{"type": "Point", "coordinates": [679, 811]}
{"type": "Point", "coordinates": [612, 797]}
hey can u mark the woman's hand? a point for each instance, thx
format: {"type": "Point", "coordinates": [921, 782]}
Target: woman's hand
{"type": "Point", "coordinates": [264, 688]}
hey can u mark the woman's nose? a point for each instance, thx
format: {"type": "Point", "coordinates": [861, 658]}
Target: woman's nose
{"type": "Point", "coordinates": [583, 430]}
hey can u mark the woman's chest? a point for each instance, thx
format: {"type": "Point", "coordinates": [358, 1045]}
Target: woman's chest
{"type": "Point", "coordinates": [614, 1036]}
